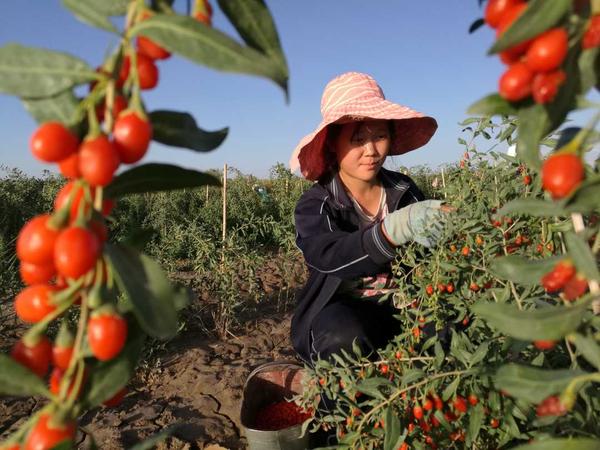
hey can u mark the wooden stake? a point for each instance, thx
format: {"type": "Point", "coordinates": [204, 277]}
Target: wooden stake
{"type": "Point", "coordinates": [444, 183]}
{"type": "Point", "coordinates": [224, 210]}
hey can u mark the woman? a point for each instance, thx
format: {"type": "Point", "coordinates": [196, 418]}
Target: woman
{"type": "Point", "coordinates": [349, 224]}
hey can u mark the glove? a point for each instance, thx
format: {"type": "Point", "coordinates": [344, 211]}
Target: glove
{"type": "Point", "coordinates": [421, 222]}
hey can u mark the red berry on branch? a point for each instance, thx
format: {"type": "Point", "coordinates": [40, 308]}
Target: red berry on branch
{"type": "Point", "coordinates": [147, 72]}
{"type": "Point", "coordinates": [561, 174]}
{"type": "Point", "coordinates": [591, 38]}
{"type": "Point", "coordinates": [53, 142]}
{"type": "Point", "coordinates": [548, 50]}
{"type": "Point", "coordinates": [473, 400]}
{"type": "Point", "coordinates": [98, 160]}
{"type": "Point", "coordinates": [61, 356]}
{"type": "Point", "coordinates": [496, 9]}
{"type": "Point", "coordinates": [558, 277]}
{"type": "Point", "coordinates": [132, 135]}
{"type": "Point", "coordinates": [546, 84]}
{"type": "Point", "coordinates": [76, 252]}
{"type": "Point", "coordinates": [36, 357]}
{"type": "Point", "coordinates": [575, 287]}
{"type": "Point", "coordinates": [69, 167]}
{"type": "Point", "coordinates": [33, 303]}
{"type": "Point", "coordinates": [460, 404]}
{"type": "Point", "coordinates": [513, 54]}
{"type": "Point", "coordinates": [544, 345]}
{"type": "Point", "coordinates": [106, 333]}
{"type": "Point", "coordinates": [417, 412]}
{"type": "Point", "coordinates": [516, 83]}
{"type": "Point", "coordinates": [35, 242]}
{"type": "Point", "coordinates": [151, 49]}
{"type": "Point", "coordinates": [48, 433]}
{"type": "Point", "coordinates": [36, 273]}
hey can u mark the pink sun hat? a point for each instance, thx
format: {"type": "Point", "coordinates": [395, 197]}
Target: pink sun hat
{"type": "Point", "coordinates": [355, 96]}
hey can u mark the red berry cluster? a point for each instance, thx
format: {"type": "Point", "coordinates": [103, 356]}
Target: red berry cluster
{"type": "Point", "coordinates": [61, 254]}
{"type": "Point", "coordinates": [564, 277]}
{"type": "Point", "coordinates": [551, 406]}
{"type": "Point", "coordinates": [423, 426]}
{"type": "Point", "coordinates": [534, 66]}
{"type": "Point", "coordinates": [441, 288]}
{"type": "Point", "coordinates": [280, 415]}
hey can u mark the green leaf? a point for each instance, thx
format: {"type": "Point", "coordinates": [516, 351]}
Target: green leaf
{"type": "Point", "coordinates": [550, 323]}
{"type": "Point", "coordinates": [148, 289]}
{"type": "Point", "coordinates": [34, 72]}
{"type": "Point", "coordinates": [587, 196]}
{"type": "Point", "coordinates": [479, 354]}
{"type": "Point", "coordinates": [534, 124]}
{"type": "Point", "coordinates": [533, 207]}
{"type": "Point", "coordinates": [475, 421]}
{"type": "Point", "coordinates": [16, 379]}
{"type": "Point", "coordinates": [205, 45]}
{"type": "Point", "coordinates": [154, 177]}
{"type": "Point", "coordinates": [371, 386]}
{"type": "Point", "coordinates": [110, 377]}
{"type": "Point", "coordinates": [179, 129]}
{"type": "Point", "coordinates": [582, 256]}
{"type": "Point", "coordinates": [588, 348]}
{"type": "Point", "coordinates": [412, 375]}
{"type": "Point", "coordinates": [531, 383]}
{"type": "Point", "coordinates": [61, 107]}
{"type": "Point", "coordinates": [393, 430]}
{"type": "Point", "coordinates": [151, 442]}
{"type": "Point", "coordinates": [253, 21]}
{"type": "Point", "coordinates": [566, 98]}
{"type": "Point", "coordinates": [562, 444]}
{"type": "Point", "coordinates": [492, 105]}
{"type": "Point", "coordinates": [587, 68]}
{"type": "Point", "coordinates": [476, 25]}
{"type": "Point", "coordinates": [522, 270]}
{"type": "Point", "coordinates": [89, 12]}
{"type": "Point", "coordinates": [539, 16]}
{"type": "Point", "coordinates": [450, 390]}
{"type": "Point", "coordinates": [113, 7]}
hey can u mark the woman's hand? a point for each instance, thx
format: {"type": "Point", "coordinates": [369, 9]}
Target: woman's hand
{"type": "Point", "coordinates": [421, 222]}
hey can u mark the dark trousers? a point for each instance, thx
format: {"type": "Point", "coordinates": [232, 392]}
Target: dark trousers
{"type": "Point", "coordinates": [345, 319]}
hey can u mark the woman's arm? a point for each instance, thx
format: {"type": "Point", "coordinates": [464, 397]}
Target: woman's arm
{"type": "Point", "coordinates": [329, 250]}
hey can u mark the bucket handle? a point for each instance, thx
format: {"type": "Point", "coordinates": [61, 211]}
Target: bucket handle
{"type": "Point", "coordinates": [280, 362]}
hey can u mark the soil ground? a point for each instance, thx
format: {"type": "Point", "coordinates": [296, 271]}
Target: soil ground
{"type": "Point", "coordinates": [196, 381]}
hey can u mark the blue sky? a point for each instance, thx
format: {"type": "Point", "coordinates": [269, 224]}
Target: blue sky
{"type": "Point", "coordinates": [419, 52]}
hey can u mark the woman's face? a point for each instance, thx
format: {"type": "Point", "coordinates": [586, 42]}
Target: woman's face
{"type": "Point", "coordinates": [361, 148]}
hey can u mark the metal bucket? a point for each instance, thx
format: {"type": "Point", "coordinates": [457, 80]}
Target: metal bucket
{"type": "Point", "coordinates": [269, 383]}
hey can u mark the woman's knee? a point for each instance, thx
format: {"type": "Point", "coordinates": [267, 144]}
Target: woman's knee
{"type": "Point", "coordinates": [326, 342]}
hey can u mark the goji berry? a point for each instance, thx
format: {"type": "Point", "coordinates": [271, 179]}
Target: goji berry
{"type": "Point", "coordinates": [561, 174]}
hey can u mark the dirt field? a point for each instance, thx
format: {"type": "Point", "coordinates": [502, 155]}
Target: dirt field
{"type": "Point", "coordinates": [195, 381]}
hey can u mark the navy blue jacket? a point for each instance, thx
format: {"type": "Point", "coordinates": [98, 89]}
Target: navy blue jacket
{"type": "Point", "coordinates": [327, 233]}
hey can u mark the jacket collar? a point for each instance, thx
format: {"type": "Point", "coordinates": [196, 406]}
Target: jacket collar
{"type": "Point", "coordinates": [394, 183]}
